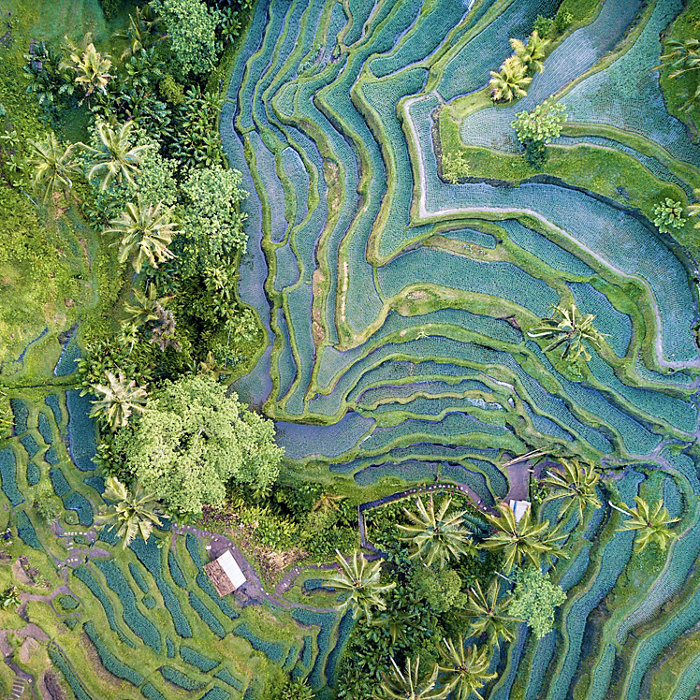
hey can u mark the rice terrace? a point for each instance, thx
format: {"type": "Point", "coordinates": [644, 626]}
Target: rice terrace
{"type": "Point", "coordinates": [350, 349]}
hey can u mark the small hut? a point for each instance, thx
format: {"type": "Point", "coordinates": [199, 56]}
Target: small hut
{"type": "Point", "coordinates": [225, 574]}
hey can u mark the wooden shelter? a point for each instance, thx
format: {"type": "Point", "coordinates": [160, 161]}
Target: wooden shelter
{"type": "Point", "coordinates": [225, 574]}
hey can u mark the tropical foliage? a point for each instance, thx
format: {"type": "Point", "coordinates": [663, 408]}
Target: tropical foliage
{"type": "Point", "coordinates": [574, 484]}
{"type": "Point", "coordinates": [540, 125]}
{"type": "Point", "coordinates": [651, 523]}
{"type": "Point", "coordinates": [409, 684]}
{"type": "Point", "coordinates": [438, 536]}
{"type": "Point", "coordinates": [131, 513]}
{"type": "Point", "coordinates": [534, 600]}
{"type": "Point", "coordinates": [144, 232]}
{"type": "Point", "coordinates": [117, 400]}
{"type": "Point", "coordinates": [112, 156]}
{"type": "Point", "coordinates": [489, 614]}
{"type": "Point", "coordinates": [53, 165]}
{"type": "Point", "coordinates": [669, 215]}
{"type": "Point", "coordinates": [466, 668]}
{"type": "Point", "coordinates": [361, 581]}
{"type": "Point", "coordinates": [568, 329]}
{"type": "Point", "coordinates": [522, 539]}
{"type": "Point", "coordinates": [193, 439]}
{"type": "Point", "coordinates": [531, 53]}
{"type": "Point", "coordinates": [89, 65]}
{"type": "Point", "coordinates": [510, 82]}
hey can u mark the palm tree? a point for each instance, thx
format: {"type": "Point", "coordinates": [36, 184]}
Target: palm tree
{"type": "Point", "coordinates": [146, 230]}
{"type": "Point", "coordinates": [682, 56]}
{"type": "Point", "coordinates": [437, 536]}
{"type": "Point", "coordinates": [510, 82]}
{"type": "Point", "coordinates": [89, 65]}
{"type": "Point", "coordinates": [521, 539]}
{"type": "Point", "coordinates": [114, 158]}
{"type": "Point", "coordinates": [567, 328]}
{"type": "Point", "coordinates": [361, 580]}
{"type": "Point", "coordinates": [468, 669]}
{"type": "Point", "coordinates": [653, 523]}
{"type": "Point", "coordinates": [531, 55]}
{"type": "Point", "coordinates": [488, 613]}
{"type": "Point", "coordinates": [575, 484]}
{"type": "Point", "coordinates": [142, 33]}
{"type": "Point", "coordinates": [132, 513]}
{"type": "Point", "coordinates": [145, 307]}
{"type": "Point", "coordinates": [53, 164]}
{"type": "Point", "coordinates": [118, 399]}
{"type": "Point", "coordinates": [9, 598]}
{"type": "Point", "coordinates": [408, 685]}
{"type": "Point", "coordinates": [327, 501]}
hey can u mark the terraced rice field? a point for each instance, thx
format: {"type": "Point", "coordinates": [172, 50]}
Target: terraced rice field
{"type": "Point", "coordinates": [152, 624]}
{"type": "Point", "coordinates": [396, 304]}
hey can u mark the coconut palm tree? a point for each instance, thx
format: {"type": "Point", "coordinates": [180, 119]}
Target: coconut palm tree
{"type": "Point", "coordinates": [115, 159]}
{"type": "Point", "coordinates": [567, 328]}
{"type": "Point", "coordinates": [144, 308]}
{"type": "Point", "coordinates": [327, 501]}
{"type": "Point", "coordinates": [132, 513]}
{"type": "Point", "coordinates": [437, 536]}
{"type": "Point", "coordinates": [510, 81]}
{"type": "Point", "coordinates": [488, 613]}
{"type": "Point", "coordinates": [117, 400]}
{"type": "Point", "coordinates": [531, 54]}
{"type": "Point", "coordinates": [145, 230]}
{"type": "Point", "coordinates": [521, 539]}
{"type": "Point", "coordinates": [54, 165]}
{"type": "Point", "coordinates": [682, 56]}
{"type": "Point", "coordinates": [361, 581]}
{"type": "Point", "coordinates": [652, 522]}
{"type": "Point", "coordinates": [9, 598]}
{"type": "Point", "coordinates": [408, 685]}
{"type": "Point", "coordinates": [467, 669]}
{"type": "Point", "coordinates": [142, 32]}
{"type": "Point", "coordinates": [575, 484]}
{"type": "Point", "coordinates": [89, 65]}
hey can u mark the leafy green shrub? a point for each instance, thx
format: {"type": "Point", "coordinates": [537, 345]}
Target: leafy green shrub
{"type": "Point", "coordinates": [47, 505]}
{"type": "Point", "coordinates": [111, 8]}
{"type": "Point", "coordinates": [196, 140]}
{"type": "Point", "coordinates": [543, 25]}
{"type": "Point", "coordinates": [455, 166]}
{"type": "Point", "coordinates": [171, 90]}
{"type": "Point", "coordinates": [669, 215]}
{"type": "Point", "coordinates": [541, 124]}
{"type": "Point", "coordinates": [68, 602]}
{"type": "Point", "coordinates": [192, 29]}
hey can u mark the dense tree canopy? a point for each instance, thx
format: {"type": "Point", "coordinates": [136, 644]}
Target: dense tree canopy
{"type": "Point", "coordinates": [192, 439]}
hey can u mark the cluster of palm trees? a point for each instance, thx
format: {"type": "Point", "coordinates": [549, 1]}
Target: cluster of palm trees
{"type": "Point", "coordinates": [439, 537]}
{"type": "Point", "coordinates": [144, 230]}
{"type": "Point", "coordinates": [513, 78]}
{"type": "Point", "coordinates": [567, 329]}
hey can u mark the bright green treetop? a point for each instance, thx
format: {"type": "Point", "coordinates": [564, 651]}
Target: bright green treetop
{"type": "Point", "coordinates": [541, 124]}
{"type": "Point", "coordinates": [191, 26]}
{"type": "Point", "coordinates": [534, 600]}
{"type": "Point", "coordinates": [192, 439]}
